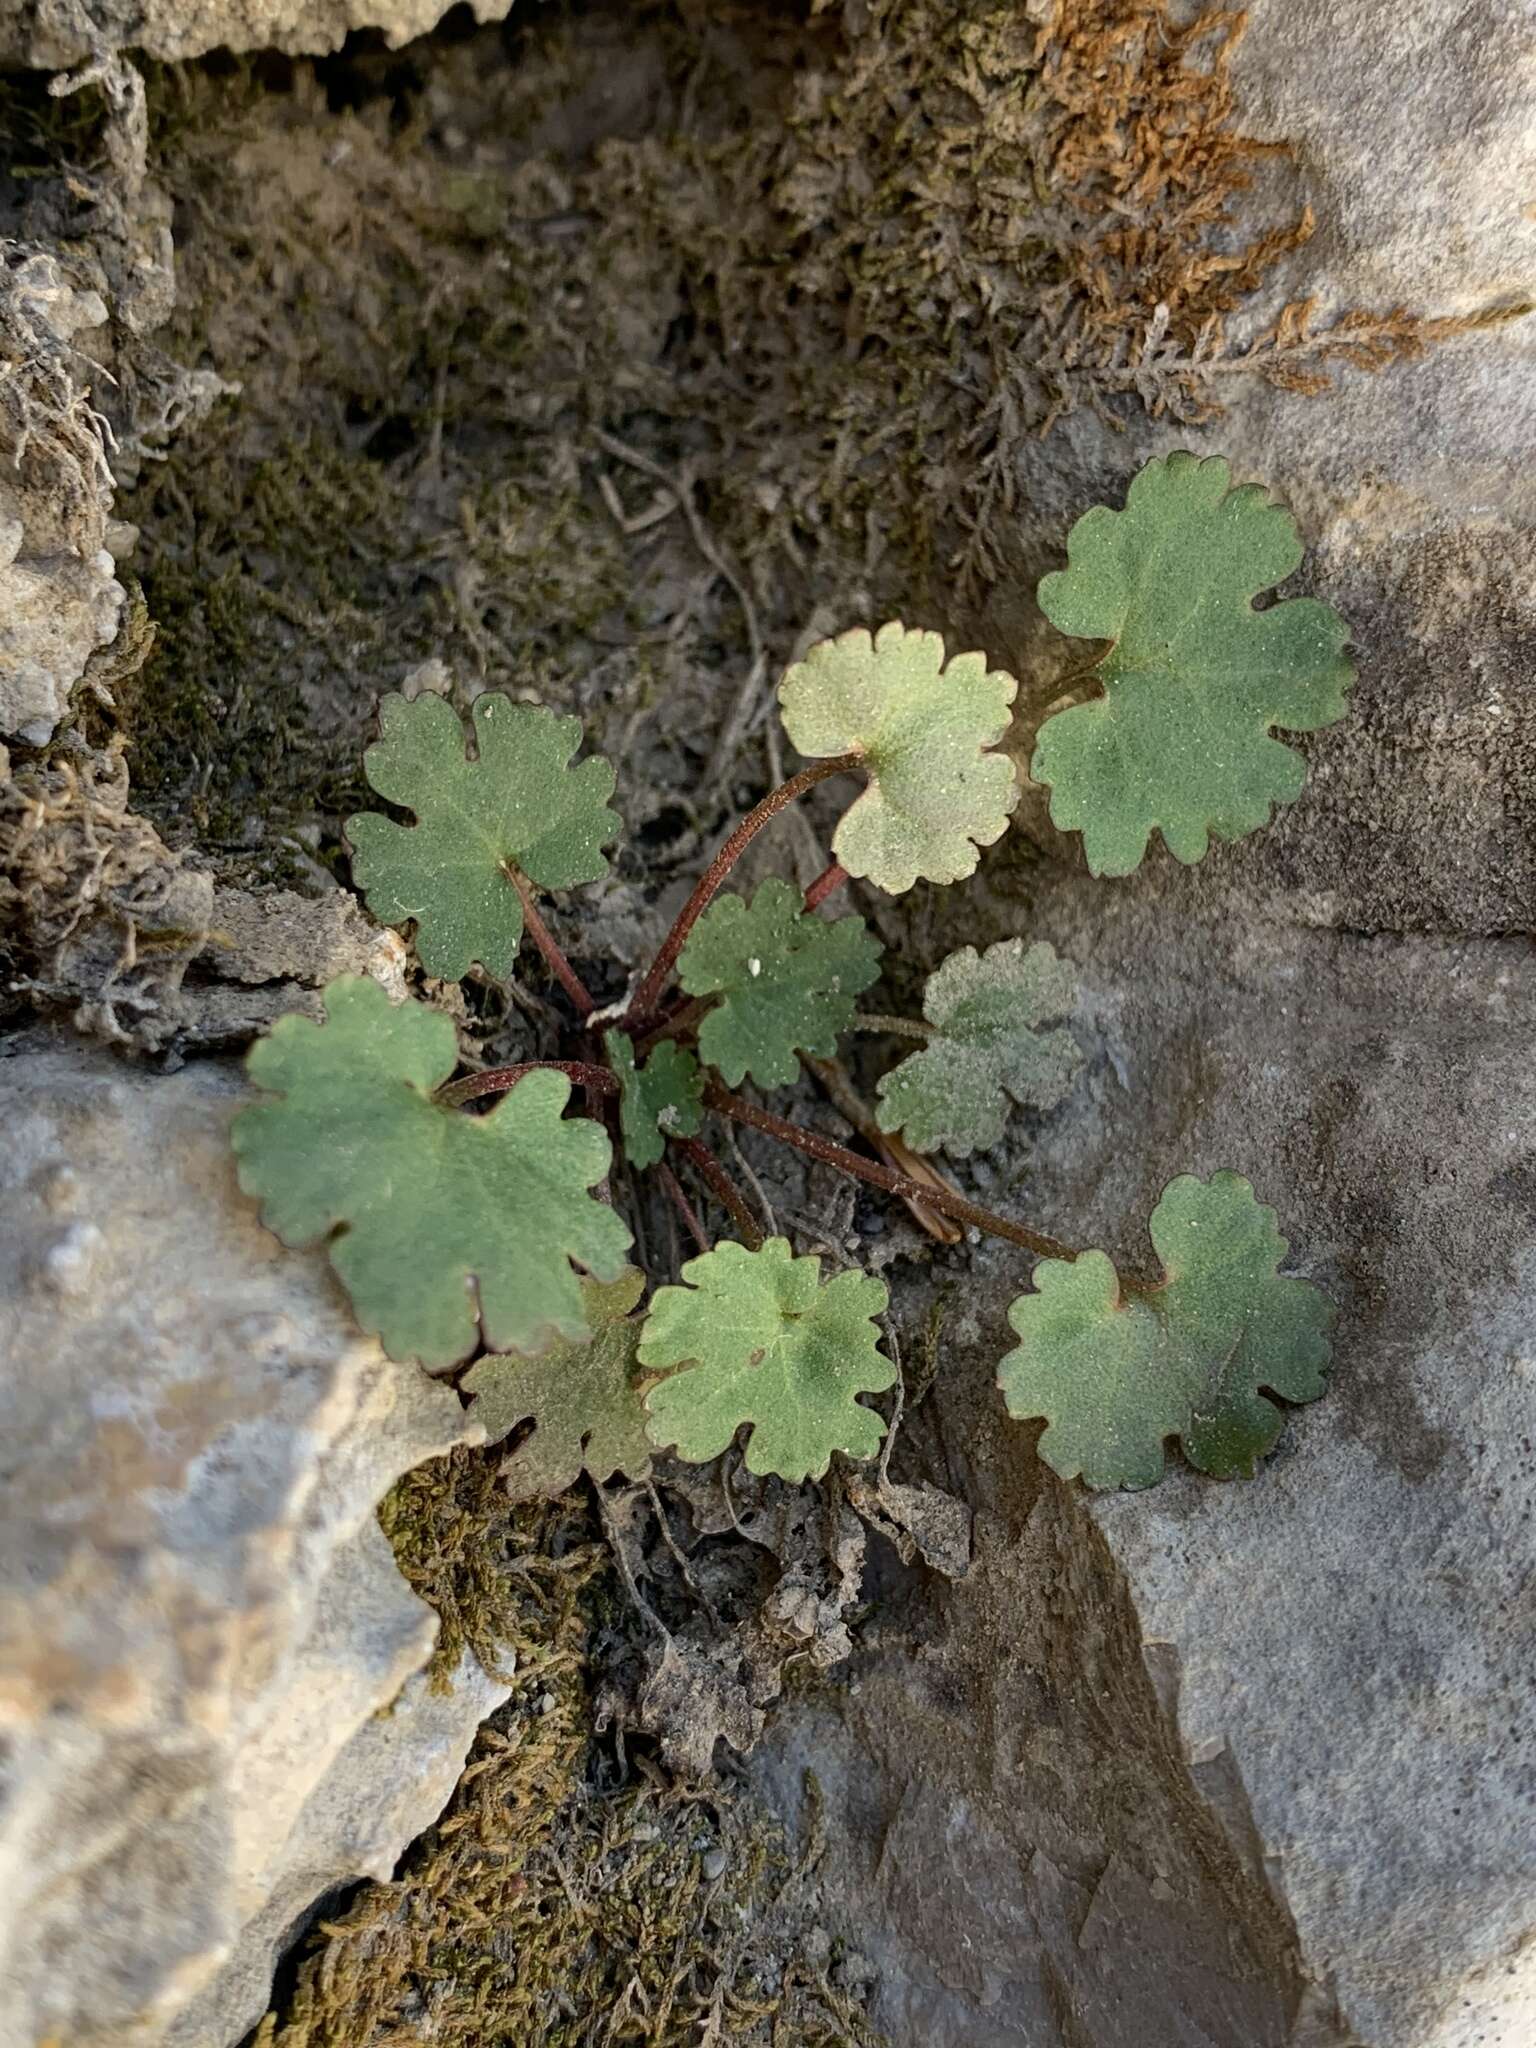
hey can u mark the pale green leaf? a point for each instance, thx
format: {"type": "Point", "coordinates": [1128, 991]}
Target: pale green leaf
{"type": "Point", "coordinates": [1195, 679]}
{"type": "Point", "coordinates": [788, 980]}
{"type": "Point", "coordinates": [441, 1224]}
{"type": "Point", "coordinates": [583, 1399]}
{"type": "Point", "coordinates": [1117, 1374]}
{"type": "Point", "coordinates": [994, 1038]}
{"type": "Point", "coordinates": [762, 1341]}
{"type": "Point", "coordinates": [664, 1096]}
{"type": "Point", "coordinates": [935, 793]}
{"type": "Point", "coordinates": [518, 804]}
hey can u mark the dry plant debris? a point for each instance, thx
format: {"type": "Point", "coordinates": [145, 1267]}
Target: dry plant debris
{"type": "Point", "coordinates": [550, 1904]}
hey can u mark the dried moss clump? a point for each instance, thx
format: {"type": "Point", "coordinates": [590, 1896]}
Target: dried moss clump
{"type": "Point", "coordinates": [954, 226]}
{"type": "Point", "coordinates": [551, 1904]}
{"type": "Point", "coordinates": [98, 919]}
{"type": "Point", "coordinates": [601, 396]}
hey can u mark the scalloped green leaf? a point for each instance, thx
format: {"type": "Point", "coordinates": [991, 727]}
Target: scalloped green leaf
{"type": "Point", "coordinates": [787, 978]}
{"type": "Point", "coordinates": [996, 1039]}
{"type": "Point", "coordinates": [519, 804]}
{"type": "Point", "coordinates": [664, 1095]}
{"type": "Point", "coordinates": [583, 1399]}
{"type": "Point", "coordinates": [1116, 1375]}
{"type": "Point", "coordinates": [762, 1340]}
{"type": "Point", "coordinates": [924, 728]}
{"type": "Point", "coordinates": [442, 1225]}
{"type": "Point", "coordinates": [1195, 679]}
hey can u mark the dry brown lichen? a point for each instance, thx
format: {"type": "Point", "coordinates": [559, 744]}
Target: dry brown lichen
{"type": "Point", "coordinates": [98, 918]}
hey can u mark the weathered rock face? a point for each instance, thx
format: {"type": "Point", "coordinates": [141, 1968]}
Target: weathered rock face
{"type": "Point", "coordinates": [1413, 487]}
{"type": "Point", "coordinates": [199, 1618]}
{"type": "Point", "coordinates": [49, 34]}
{"type": "Point", "coordinates": [86, 277]}
{"type": "Point", "coordinates": [1245, 1763]}
{"type": "Point", "coordinates": [59, 595]}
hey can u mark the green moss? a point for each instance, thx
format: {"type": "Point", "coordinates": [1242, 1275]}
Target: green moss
{"type": "Point", "coordinates": [260, 598]}
{"type": "Point", "coordinates": [464, 1548]}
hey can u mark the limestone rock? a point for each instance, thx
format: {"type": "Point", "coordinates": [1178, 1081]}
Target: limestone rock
{"type": "Point", "coordinates": [1415, 487]}
{"type": "Point", "coordinates": [388, 1784]}
{"type": "Point", "coordinates": [1249, 1763]}
{"type": "Point", "coordinates": [1344, 1649]}
{"type": "Point", "coordinates": [199, 1617]}
{"type": "Point", "coordinates": [50, 34]}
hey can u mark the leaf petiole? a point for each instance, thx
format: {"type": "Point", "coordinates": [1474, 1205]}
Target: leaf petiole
{"type": "Point", "coordinates": [684, 1207]}
{"type": "Point", "coordinates": [897, 1027]}
{"type": "Point", "coordinates": [833, 1154]}
{"type": "Point", "coordinates": [548, 945]}
{"type": "Point", "coordinates": [679, 1023]}
{"type": "Point", "coordinates": [722, 1187]}
{"type": "Point", "coordinates": [831, 878]}
{"type": "Point", "coordinates": [497, 1080]}
{"type": "Point", "coordinates": [643, 1002]}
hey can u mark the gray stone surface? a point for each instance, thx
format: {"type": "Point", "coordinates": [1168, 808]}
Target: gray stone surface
{"type": "Point", "coordinates": [50, 34]}
{"type": "Point", "coordinates": [1344, 1649]}
{"type": "Point", "coordinates": [1238, 1764]}
{"type": "Point", "coordinates": [1413, 138]}
{"type": "Point", "coordinates": [199, 1617]}
{"type": "Point", "coordinates": [390, 1781]}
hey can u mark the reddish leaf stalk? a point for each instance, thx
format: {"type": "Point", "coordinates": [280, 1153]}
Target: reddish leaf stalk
{"type": "Point", "coordinates": [724, 1189]}
{"type": "Point", "coordinates": [685, 1018]}
{"type": "Point", "coordinates": [684, 1207]}
{"type": "Point", "coordinates": [829, 880]}
{"type": "Point", "coordinates": [497, 1080]}
{"type": "Point", "coordinates": [832, 1154]}
{"type": "Point", "coordinates": [548, 945]}
{"type": "Point", "coordinates": [646, 996]}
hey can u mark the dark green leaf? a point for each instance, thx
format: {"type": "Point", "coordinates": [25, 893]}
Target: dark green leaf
{"type": "Point", "coordinates": [519, 804]}
{"type": "Point", "coordinates": [1195, 678]}
{"type": "Point", "coordinates": [789, 980]}
{"type": "Point", "coordinates": [665, 1095]}
{"type": "Point", "coordinates": [441, 1224]}
{"type": "Point", "coordinates": [1116, 1375]}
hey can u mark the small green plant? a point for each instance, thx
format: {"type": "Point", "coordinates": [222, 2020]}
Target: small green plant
{"type": "Point", "coordinates": [459, 1230]}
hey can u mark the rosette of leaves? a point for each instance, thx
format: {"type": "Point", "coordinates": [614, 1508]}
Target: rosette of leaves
{"type": "Point", "coordinates": [442, 1227]}
{"type": "Point", "coordinates": [663, 1095]}
{"type": "Point", "coordinates": [996, 1040]}
{"type": "Point", "coordinates": [1194, 678]}
{"type": "Point", "coordinates": [1116, 1374]}
{"type": "Point", "coordinates": [517, 808]}
{"type": "Point", "coordinates": [452, 1227]}
{"type": "Point", "coordinates": [583, 1399]}
{"type": "Point", "coordinates": [787, 981]}
{"type": "Point", "coordinates": [758, 1338]}
{"type": "Point", "coordinates": [922, 729]}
